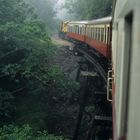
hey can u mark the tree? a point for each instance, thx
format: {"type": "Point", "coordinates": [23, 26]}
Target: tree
{"type": "Point", "coordinates": [12, 132]}
{"type": "Point", "coordinates": [90, 9]}
{"type": "Point", "coordinates": [24, 51]}
{"type": "Point", "coordinates": [25, 48]}
{"type": "Point", "coordinates": [46, 12]}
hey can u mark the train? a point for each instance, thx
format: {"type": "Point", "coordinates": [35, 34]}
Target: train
{"type": "Point", "coordinates": [116, 39]}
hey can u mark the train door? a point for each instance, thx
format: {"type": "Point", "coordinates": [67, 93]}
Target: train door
{"type": "Point", "coordinates": [123, 65]}
{"type": "Point", "coordinates": [133, 111]}
{"type": "Point", "coordinates": [130, 77]}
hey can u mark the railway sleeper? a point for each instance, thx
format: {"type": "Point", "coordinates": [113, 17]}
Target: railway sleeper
{"type": "Point", "coordinates": [89, 74]}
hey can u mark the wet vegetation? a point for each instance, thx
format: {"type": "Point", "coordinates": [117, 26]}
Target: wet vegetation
{"type": "Point", "coordinates": [29, 85]}
{"type": "Point", "coordinates": [88, 9]}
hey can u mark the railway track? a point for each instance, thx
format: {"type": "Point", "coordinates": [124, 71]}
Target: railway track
{"type": "Point", "coordinates": [93, 61]}
{"type": "Point", "coordinates": [101, 120]}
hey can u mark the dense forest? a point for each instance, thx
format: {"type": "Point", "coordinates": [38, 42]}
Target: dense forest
{"type": "Point", "coordinates": [45, 9]}
{"type": "Point", "coordinates": [89, 9]}
{"type": "Point", "coordinates": [26, 75]}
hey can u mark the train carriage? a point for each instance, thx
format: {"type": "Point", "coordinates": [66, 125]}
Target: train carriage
{"type": "Point", "coordinates": [76, 30]}
{"type": "Point", "coordinates": [95, 33]}
{"type": "Point", "coordinates": [98, 35]}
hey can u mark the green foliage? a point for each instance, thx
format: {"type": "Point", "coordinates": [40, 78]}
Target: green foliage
{"type": "Point", "coordinates": [6, 105]}
{"type": "Point", "coordinates": [12, 132]}
{"type": "Point", "coordinates": [89, 9]}
{"type": "Point", "coordinates": [46, 12]}
{"type": "Point", "coordinates": [25, 72]}
{"type": "Point", "coordinates": [29, 84]}
{"type": "Point", "coordinates": [62, 84]}
{"type": "Point", "coordinates": [45, 136]}
{"type": "Point", "coordinates": [24, 43]}
{"type": "Point", "coordinates": [24, 51]}
{"type": "Point", "coordinates": [12, 10]}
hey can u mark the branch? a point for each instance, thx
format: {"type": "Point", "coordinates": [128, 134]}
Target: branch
{"type": "Point", "coordinates": [11, 52]}
{"type": "Point", "coordinates": [18, 90]}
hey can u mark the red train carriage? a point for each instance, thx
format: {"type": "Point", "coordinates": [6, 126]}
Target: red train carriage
{"type": "Point", "coordinates": [76, 30]}
{"type": "Point", "coordinates": [95, 33]}
{"type": "Point", "coordinates": [98, 35]}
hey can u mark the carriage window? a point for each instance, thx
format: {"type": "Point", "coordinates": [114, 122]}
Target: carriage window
{"type": "Point", "coordinates": [92, 32]}
{"type": "Point", "coordinates": [82, 30]}
{"type": "Point", "coordinates": [102, 34]}
{"type": "Point", "coordinates": [106, 34]}
{"type": "Point", "coordinates": [108, 40]}
{"type": "Point", "coordinates": [87, 31]}
{"type": "Point", "coordinates": [98, 34]}
{"type": "Point", "coordinates": [77, 30]}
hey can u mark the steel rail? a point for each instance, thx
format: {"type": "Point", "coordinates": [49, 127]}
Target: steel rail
{"type": "Point", "coordinates": [95, 63]}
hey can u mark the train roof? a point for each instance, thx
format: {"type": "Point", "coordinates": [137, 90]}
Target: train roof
{"type": "Point", "coordinates": [101, 20]}
{"type": "Point", "coordinates": [78, 22]}
{"type": "Point", "coordinates": [88, 22]}
{"type": "Point", "coordinates": [65, 22]}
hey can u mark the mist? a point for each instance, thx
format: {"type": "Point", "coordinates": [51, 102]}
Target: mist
{"type": "Point", "coordinates": [46, 10]}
